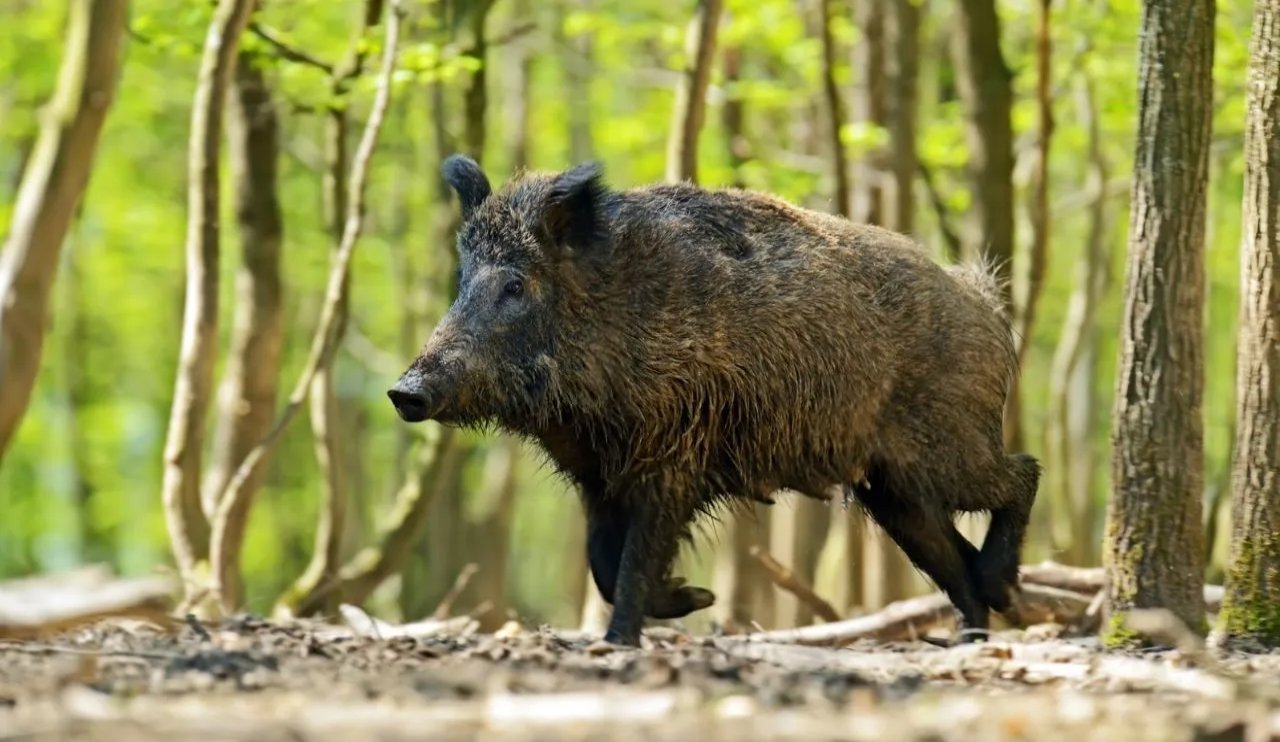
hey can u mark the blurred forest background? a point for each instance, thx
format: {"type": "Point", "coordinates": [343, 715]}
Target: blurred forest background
{"type": "Point", "coordinates": [888, 110]}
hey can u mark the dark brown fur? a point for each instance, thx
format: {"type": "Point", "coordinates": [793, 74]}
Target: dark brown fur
{"type": "Point", "coordinates": [674, 348]}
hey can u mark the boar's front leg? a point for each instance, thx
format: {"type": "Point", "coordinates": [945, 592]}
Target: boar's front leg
{"type": "Point", "coordinates": [669, 597]}
{"type": "Point", "coordinates": [643, 586]}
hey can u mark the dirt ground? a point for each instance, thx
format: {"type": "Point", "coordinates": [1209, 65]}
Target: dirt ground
{"type": "Point", "coordinates": [252, 679]}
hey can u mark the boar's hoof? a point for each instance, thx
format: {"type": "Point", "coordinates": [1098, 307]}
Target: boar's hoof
{"type": "Point", "coordinates": [616, 637]}
{"type": "Point", "coordinates": [677, 600]}
{"type": "Point", "coordinates": [962, 636]}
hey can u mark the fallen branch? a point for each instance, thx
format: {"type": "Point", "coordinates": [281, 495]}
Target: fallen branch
{"type": "Point", "coordinates": [1064, 577]}
{"type": "Point", "coordinates": [786, 579]}
{"type": "Point", "coordinates": [362, 624]}
{"type": "Point", "coordinates": [1037, 604]}
{"type": "Point", "coordinates": [1091, 580]}
{"type": "Point", "coordinates": [228, 528]}
{"type": "Point", "coordinates": [905, 619]}
{"type": "Point", "coordinates": [460, 583]}
{"type": "Point", "coordinates": [51, 604]}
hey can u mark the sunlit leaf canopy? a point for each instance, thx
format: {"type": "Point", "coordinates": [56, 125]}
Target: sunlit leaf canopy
{"type": "Point", "coordinates": [82, 479]}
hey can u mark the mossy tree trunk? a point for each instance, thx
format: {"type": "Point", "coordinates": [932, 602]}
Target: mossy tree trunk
{"type": "Point", "coordinates": [1154, 538]}
{"type": "Point", "coordinates": [1251, 605]}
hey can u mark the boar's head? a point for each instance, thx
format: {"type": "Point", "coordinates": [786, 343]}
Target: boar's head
{"type": "Point", "coordinates": [521, 254]}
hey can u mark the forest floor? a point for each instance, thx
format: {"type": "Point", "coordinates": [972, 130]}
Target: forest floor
{"type": "Point", "coordinates": [248, 678]}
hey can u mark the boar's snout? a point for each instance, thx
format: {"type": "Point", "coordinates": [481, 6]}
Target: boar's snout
{"type": "Point", "coordinates": [410, 398]}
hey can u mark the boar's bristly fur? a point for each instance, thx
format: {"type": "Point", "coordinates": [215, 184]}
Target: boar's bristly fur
{"type": "Point", "coordinates": [674, 348]}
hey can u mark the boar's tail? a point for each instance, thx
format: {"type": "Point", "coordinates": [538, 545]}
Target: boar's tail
{"type": "Point", "coordinates": [980, 277]}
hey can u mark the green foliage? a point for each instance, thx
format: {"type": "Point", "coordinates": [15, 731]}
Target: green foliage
{"type": "Point", "coordinates": [82, 478]}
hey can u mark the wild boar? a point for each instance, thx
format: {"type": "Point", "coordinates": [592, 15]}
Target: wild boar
{"type": "Point", "coordinates": [676, 349]}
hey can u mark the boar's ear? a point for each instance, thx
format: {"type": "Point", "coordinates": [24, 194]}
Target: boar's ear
{"type": "Point", "coordinates": [572, 214]}
{"type": "Point", "coordinates": [468, 180]}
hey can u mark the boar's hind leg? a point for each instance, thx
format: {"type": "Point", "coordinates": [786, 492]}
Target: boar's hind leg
{"type": "Point", "coordinates": [996, 568]}
{"type": "Point", "coordinates": [930, 540]}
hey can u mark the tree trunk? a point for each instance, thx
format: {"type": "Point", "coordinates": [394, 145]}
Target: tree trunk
{"type": "Point", "coordinates": [691, 94]}
{"type": "Point", "coordinates": [247, 399]}
{"type": "Point", "coordinates": [188, 526]}
{"type": "Point", "coordinates": [1038, 208]}
{"type": "Point", "coordinates": [1072, 388]}
{"type": "Point", "coordinates": [869, 106]}
{"type": "Point", "coordinates": [878, 570]}
{"type": "Point", "coordinates": [233, 507]}
{"type": "Point", "coordinates": [54, 178]}
{"type": "Point", "coordinates": [902, 29]}
{"type": "Point", "coordinates": [578, 59]}
{"type": "Point", "coordinates": [984, 84]}
{"type": "Point", "coordinates": [1251, 603]}
{"type": "Point", "coordinates": [835, 109]}
{"type": "Point", "coordinates": [327, 417]}
{"type": "Point", "coordinates": [1154, 539]}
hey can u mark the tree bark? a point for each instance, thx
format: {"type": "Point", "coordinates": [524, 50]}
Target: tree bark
{"type": "Point", "coordinates": [1038, 208]}
{"type": "Point", "coordinates": [1251, 605]}
{"type": "Point", "coordinates": [247, 399]}
{"type": "Point", "coordinates": [870, 106]}
{"type": "Point", "coordinates": [902, 30]}
{"type": "Point", "coordinates": [835, 109]}
{"type": "Point", "coordinates": [691, 94]}
{"type": "Point", "coordinates": [188, 526]}
{"type": "Point", "coordinates": [578, 63]}
{"type": "Point", "coordinates": [984, 84]}
{"type": "Point", "coordinates": [53, 181]}
{"type": "Point", "coordinates": [1154, 538]}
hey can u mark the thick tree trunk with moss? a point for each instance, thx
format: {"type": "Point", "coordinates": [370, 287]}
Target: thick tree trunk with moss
{"type": "Point", "coordinates": [247, 399]}
{"type": "Point", "coordinates": [1251, 604]}
{"type": "Point", "coordinates": [53, 180]}
{"type": "Point", "coordinates": [1154, 538]}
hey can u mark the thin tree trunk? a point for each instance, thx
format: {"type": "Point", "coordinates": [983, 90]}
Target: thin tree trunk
{"type": "Point", "coordinates": [326, 411]}
{"type": "Point", "coordinates": [984, 84]}
{"type": "Point", "coordinates": [835, 109]}
{"type": "Point", "coordinates": [95, 543]}
{"type": "Point", "coordinates": [233, 506]}
{"type": "Point", "coordinates": [493, 532]}
{"type": "Point", "coordinates": [521, 98]}
{"type": "Point", "coordinates": [744, 592]}
{"type": "Point", "coordinates": [53, 181]}
{"type": "Point", "coordinates": [902, 30]}
{"type": "Point", "coordinates": [1251, 603]}
{"type": "Point", "coordinates": [247, 399]}
{"type": "Point", "coordinates": [1039, 205]}
{"type": "Point", "coordinates": [1155, 541]}
{"type": "Point", "coordinates": [869, 106]}
{"type": "Point", "coordinates": [878, 571]}
{"type": "Point", "coordinates": [188, 526]}
{"type": "Point", "coordinates": [578, 63]}
{"type": "Point", "coordinates": [691, 94]}
{"type": "Point", "coordinates": [1068, 442]}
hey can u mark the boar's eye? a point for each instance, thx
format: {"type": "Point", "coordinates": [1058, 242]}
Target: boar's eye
{"type": "Point", "coordinates": [514, 287]}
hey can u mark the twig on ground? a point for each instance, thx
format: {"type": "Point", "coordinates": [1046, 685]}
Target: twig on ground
{"type": "Point", "coordinates": [32, 648]}
{"type": "Point", "coordinates": [905, 619]}
{"type": "Point", "coordinates": [786, 579]}
{"type": "Point", "coordinates": [460, 583]}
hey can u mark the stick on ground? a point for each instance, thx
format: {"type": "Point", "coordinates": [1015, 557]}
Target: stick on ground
{"type": "Point", "coordinates": [786, 579]}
